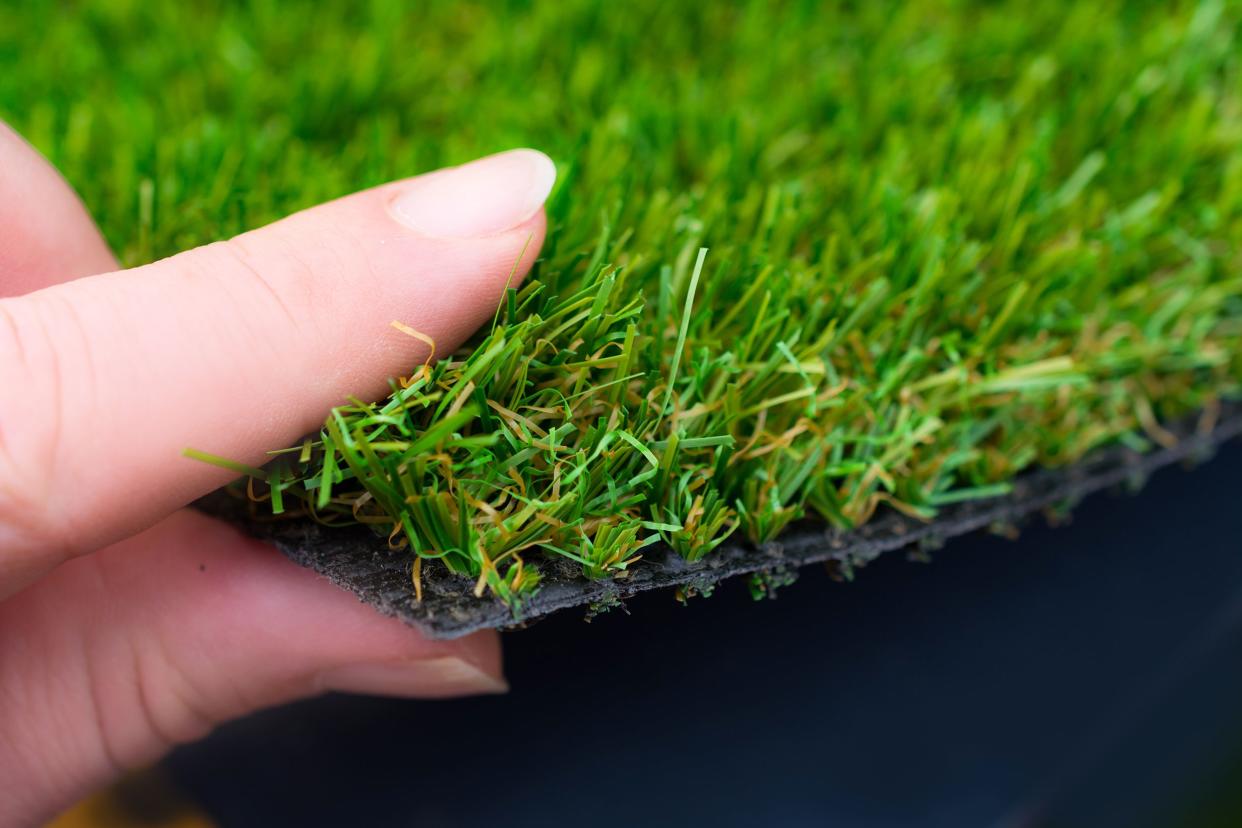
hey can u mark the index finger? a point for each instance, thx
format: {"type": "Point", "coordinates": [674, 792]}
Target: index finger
{"type": "Point", "coordinates": [239, 347]}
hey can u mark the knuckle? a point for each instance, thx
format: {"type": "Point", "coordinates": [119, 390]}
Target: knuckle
{"type": "Point", "coordinates": [282, 276]}
{"type": "Point", "coordinates": [34, 383]}
{"type": "Point", "coordinates": [168, 703]}
{"type": "Point", "coordinates": [135, 690]}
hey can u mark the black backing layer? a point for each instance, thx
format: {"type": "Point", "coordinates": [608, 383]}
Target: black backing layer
{"type": "Point", "coordinates": [356, 559]}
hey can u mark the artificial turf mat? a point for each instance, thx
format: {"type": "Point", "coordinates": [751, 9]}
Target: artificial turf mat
{"type": "Point", "coordinates": [352, 559]}
{"type": "Point", "coordinates": [949, 243]}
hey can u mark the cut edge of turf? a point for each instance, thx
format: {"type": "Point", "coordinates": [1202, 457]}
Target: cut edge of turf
{"type": "Point", "coordinates": [356, 559]}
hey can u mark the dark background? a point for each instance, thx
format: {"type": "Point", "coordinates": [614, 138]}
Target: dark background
{"type": "Point", "coordinates": [1083, 675]}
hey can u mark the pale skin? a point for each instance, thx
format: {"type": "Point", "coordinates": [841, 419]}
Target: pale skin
{"type": "Point", "coordinates": [129, 623]}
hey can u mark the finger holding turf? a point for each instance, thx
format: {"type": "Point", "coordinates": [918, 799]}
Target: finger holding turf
{"type": "Point", "coordinates": [114, 646]}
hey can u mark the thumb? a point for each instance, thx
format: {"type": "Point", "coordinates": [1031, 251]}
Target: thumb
{"type": "Point", "coordinates": [117, 656]}
{"type": "Point", "coordinates": [239, 347]}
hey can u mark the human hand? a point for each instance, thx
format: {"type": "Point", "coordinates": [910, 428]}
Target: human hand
{"type": "Point", "coordinates": [129, 624]}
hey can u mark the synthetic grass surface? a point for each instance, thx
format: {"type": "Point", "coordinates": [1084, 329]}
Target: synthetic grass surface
{"type": "Point", "coordinates": [946, 242]}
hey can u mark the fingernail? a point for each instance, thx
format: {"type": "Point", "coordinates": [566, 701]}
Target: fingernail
{"type": "Point", "coordinates": [482, 198]}
{"type": "Point", "coordinates": [427, 678]}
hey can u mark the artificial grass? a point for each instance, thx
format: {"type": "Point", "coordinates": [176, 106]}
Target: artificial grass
{"type": "Point", "coordinates": [349, 556]}
{"type": "Point", "coordinates": [945, 243]}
